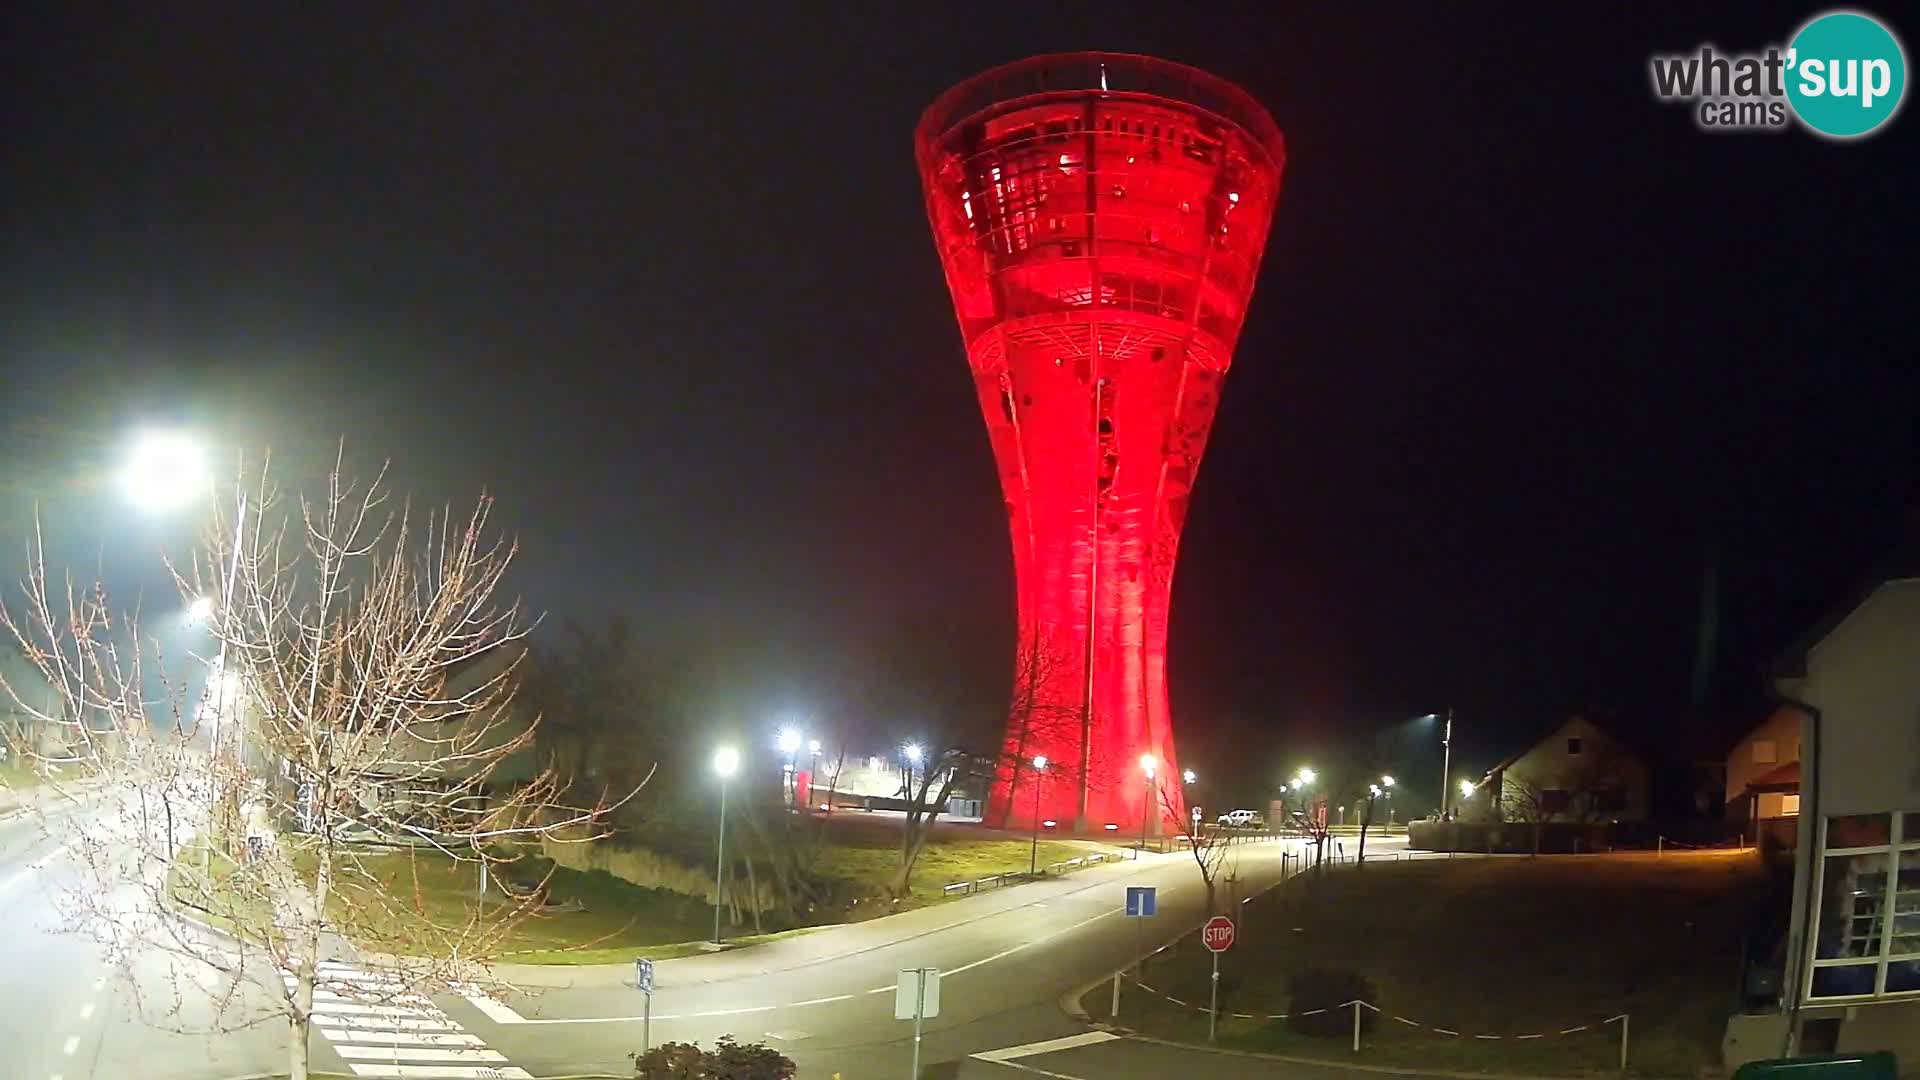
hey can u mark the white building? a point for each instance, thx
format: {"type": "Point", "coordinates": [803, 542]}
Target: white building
{"type": "Point", "coordinates": [1852, 978]}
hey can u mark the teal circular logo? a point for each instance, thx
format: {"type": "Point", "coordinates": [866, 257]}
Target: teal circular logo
{"type": "Point", "coordinates": [1846, 74]}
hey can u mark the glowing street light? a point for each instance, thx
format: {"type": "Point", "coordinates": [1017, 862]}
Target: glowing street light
{"type": "Point", "coordinates": [914, 752]}
{"type": "Point", "coordinates": [165, 469]}
{"type": "Point", "coordinates": [1033, 850]}
{"type": "Point", "coordinates": [1189, 776]}
{"type": "Point", "coordinates": [789, 741]}
{"type": "Point", "coordinates": [200, 610]}
{"type": "Point", "coordinates": [813, 747]}
{"type": "Point", "coordinates": [1467, 788]}
{"type": "Point", "coordinates": [1386, 781]}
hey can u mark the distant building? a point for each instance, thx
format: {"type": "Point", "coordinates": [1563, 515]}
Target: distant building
{"type": "Point", "coordinates": [1763, 770]}
{"type": "Point", "coordinates": [1580, 772]}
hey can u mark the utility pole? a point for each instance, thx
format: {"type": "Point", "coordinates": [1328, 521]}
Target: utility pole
{"type": "Point", "coordinates": [1446, 765]}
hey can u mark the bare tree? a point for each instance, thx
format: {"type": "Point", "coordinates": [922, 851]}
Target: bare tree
{"type": "Point", "coordinates": [362, 704]}
{"type": "Point", "coordinates": [1036, 720]}
{"type": "Point", "coordinates": [1208, 845]}
{"type": "Point", "coordinates": [1529, 802]}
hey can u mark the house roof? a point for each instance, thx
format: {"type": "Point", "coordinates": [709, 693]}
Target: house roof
{"type": "Point", "coordinates": [1626, 744]}
{"type": "Point", "coordinates": [1901, 562]}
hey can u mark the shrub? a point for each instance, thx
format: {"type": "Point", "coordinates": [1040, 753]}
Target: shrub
{"type": "Point", "coordinates": [728, 1060]}
{"type": "Point", "coordinates": [1319, 989]}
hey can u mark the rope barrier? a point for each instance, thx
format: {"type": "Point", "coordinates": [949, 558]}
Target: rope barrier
{"type": "Point", "coordinates": [1408, 1021]}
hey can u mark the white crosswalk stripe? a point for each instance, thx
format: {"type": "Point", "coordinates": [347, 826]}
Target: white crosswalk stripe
{"type": "Point", "coordinates": [385, 1034]}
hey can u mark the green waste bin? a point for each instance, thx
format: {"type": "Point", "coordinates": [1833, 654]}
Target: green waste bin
{"type": "Point", "coordinates": [1879, 1065]}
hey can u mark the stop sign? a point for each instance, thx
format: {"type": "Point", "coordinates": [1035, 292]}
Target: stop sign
{"type": "Point", "coordinates": [1217, 935]}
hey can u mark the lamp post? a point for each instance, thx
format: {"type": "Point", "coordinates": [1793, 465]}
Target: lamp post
{"type": "Point", "coordinates": [726, 761]}
{"type": "Point", "coordinates": [1148, 765]}
{"type": "Point", "coordinates": [1033, 853]}
{"type": "Point", "coordinates": [1446, 758]}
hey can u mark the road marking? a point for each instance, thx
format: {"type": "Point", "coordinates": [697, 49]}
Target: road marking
{"type": "Point", "coordinates": [420, 1053]}
{"type": "Point", "coordinates": [403, 1023]}
{"type": "Point", "coordinates": [1089, 1038]}
{"type": "Point", "coordinates": [497, 1011]}
{"type": "Point", "coordinates": [822, 1001]}
{"type": "Point", "coordinates": [73, 1043]}
{"type": "Point", "coordinates": [36, 866]}
{"type": "Point", "coordinates": [1026, 945]}
{"type": "Point", "coordinates": [440, 1072]}
{"type": "Point", "coordinates": [351, 1009]}
{"type": "Point", "coordinates": [374, 1037]}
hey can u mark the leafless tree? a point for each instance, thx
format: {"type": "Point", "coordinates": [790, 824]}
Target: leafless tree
{"type": "Point", "coordinates": [1035, 720]}
{"type": "Point", "coordinates": [1208, 845]}
{"type": "Point", "coordinates": [355, 743]}
{"type": "Point", "coordinates": [1526, 800]}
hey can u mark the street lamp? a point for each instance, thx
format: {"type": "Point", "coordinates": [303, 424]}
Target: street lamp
{"type": "Point", "coordinates": [1189, 776]}
{"type": "Point", "coordinates": [200, 610]}
{"type": "Point", "coordinates": [726, 761]}
{"type": "Point", "coordinates": [1148, 766]}
{"type": "Point", "coordinates": [913, 755]}
{"type": "Point", "coordinates": [788, 742]}
{"type": "Point", "coordinates": [166, 469]}
{"type": "Point", "coordinates": [1446, 758]}
{"type": "Point", "coordinates": [1039, 773]}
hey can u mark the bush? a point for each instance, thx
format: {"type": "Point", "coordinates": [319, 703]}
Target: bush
{"type": "Point", "coordinates": [728, 1060]}
{"type": "Point", "coordinates": [1319, 989]}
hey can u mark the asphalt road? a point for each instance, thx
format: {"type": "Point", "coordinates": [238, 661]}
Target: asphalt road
{"type": "Point", "coordinates": [825, 999]}
{"type": "Point", "coordinates": [64, 1013]}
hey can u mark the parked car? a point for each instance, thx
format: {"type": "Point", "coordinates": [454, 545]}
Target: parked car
{"type": "Point", "coordinates": [1241, 819]}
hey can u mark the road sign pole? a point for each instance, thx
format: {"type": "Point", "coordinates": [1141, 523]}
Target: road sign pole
{"type": "Point", "coordinates": [646, 1024]}
{"type": "Point", "coordinates": [919, 1009]}
{"type": "Point", "coordinates": [1213, 1003]}
{"type": "Point", "coordinates": [1113, 1009]}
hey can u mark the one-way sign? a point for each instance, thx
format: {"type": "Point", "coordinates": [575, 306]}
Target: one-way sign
{"type": "Point", "coordinates": [1139, 901]}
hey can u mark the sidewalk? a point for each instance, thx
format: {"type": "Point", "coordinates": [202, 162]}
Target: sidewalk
{"type": "Point", "coordinates": [831, 943]}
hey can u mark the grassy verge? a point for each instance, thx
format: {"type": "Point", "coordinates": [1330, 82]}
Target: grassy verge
{"type": "Point", "coordinates": [595, 918]}
{"type": "Point", "coordinates": [1484, 947]}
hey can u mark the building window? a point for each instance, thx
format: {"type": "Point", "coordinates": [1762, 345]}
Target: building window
{"type": "Point", "coordinates": [1789, 806]}
{"type": "Point", "coordinates": [1763, 752]}
{"type": "Point", "coordinates": [1866, 927]}
{"type": "Point", "coordinates": [1573, 746]}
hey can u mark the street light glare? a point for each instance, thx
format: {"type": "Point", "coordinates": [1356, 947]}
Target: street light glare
{"type": "Point", "coordinates": [914, 752]}
{"type": "Point", "coordinates": [1306, 776]}
{"type": "Point", "coordinates": [1148, 764]}
{"type": "Point", "coordinates": [813, 746]}
{"type": "Point", "coordinates": [200, 609]}
{"type": "Point", "coordinates": [165, 469]}
{"type": "Point", "coordinates": [726, 761]}
{"type": "Point", "coordinates": [1189, 776]}
{"type": "Point", "coordinates": [1386, 781]}
{"type": "Point", "coordinates": [1040, 762]}
{"type": "Point", "coordinates": [789, 740]}
{"type": "Point", "coordinates": [1466, 789]}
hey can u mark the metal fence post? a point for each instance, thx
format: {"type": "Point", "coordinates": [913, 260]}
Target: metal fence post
{"type": "Point", "coordinates": [1113, 1007]}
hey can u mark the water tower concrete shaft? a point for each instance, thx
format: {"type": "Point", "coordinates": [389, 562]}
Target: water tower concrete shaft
{"type": "Point", "coordinates": [1101, 219]}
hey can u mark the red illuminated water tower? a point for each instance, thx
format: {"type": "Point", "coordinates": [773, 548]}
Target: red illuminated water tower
{"type": "Point", "coordinates": [1101, 219]}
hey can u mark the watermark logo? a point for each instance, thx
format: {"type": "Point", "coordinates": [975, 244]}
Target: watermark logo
{"type": "Point", "coordinates": [1843, 75]}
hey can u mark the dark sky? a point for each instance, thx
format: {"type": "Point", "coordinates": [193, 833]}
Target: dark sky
{"type": "Point", "coordinates": [1526, 345]}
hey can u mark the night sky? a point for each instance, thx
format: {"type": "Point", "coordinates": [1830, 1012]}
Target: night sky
{"type": "Point", "coordinates": [1528, 350]}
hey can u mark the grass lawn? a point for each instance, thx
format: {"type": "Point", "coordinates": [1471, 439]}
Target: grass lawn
{"type": "Point", "coordinates": [596, 918]}
{"type": "Point", "coordinates": [861, 855]}
{"type": "Point", "coordinates": [1486, 947]}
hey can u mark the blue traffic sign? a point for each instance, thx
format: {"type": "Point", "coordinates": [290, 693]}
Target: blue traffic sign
{"type": "Point", "coordinates": [1139, 901]}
